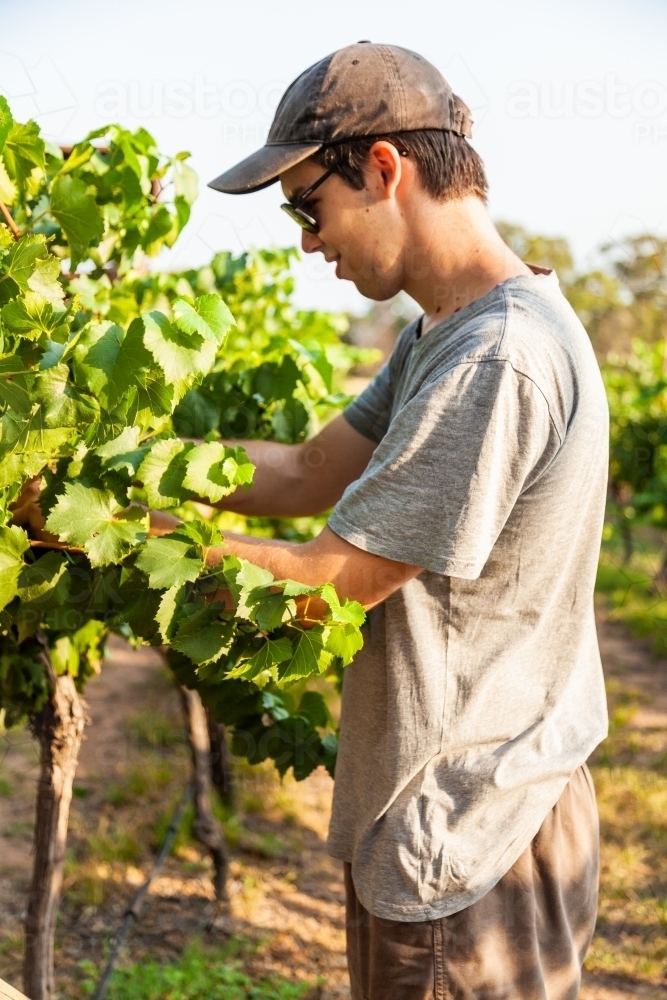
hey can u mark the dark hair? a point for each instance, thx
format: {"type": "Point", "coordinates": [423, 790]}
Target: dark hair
{"type": "Point", "coordinates": [447, 166]}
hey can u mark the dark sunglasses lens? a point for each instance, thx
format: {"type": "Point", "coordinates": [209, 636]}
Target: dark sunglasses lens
{"type": "Point", "coordinates": [301, 218]}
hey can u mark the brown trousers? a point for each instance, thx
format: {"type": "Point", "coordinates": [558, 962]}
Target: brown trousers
{"type": "Point", "coordinates": [524, 940]}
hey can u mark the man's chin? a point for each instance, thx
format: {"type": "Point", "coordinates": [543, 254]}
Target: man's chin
{"type": "Point", "coordinates": [366, 286]}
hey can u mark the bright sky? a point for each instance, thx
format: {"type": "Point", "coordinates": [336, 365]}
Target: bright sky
{"type": "Point", "coordinates": [570, 99]}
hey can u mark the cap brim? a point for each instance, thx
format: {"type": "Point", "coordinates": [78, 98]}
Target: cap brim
{"type": "Point", "coordinates": [264, 167]}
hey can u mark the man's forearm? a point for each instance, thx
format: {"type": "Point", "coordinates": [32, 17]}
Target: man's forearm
{"type": "Point", "coordinates": [300, 480]}
{"type": "Point", "coordinates": [358, 575]}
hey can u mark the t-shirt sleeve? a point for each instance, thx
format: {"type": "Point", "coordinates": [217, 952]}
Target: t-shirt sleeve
{"type": "Point", "coordinates": [370, 412]}
{"type": "Point", "coordinates": [449, 469]}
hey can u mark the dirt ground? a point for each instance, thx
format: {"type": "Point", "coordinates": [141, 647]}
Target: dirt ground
{"type": "Point", "coordinates": [286, 894]}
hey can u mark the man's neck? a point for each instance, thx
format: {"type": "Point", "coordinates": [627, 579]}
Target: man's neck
{"type": "Point", "coordinates": [456, 256]}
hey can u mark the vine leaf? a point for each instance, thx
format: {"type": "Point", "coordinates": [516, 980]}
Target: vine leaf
{"type": "Point", "coordinates": [42, 587]}
{"type": "Point", "coordinates": [123, 452]}
{"type": "Point", "coordinates": [182, 354]}
{"type": "Point", "coordinates": [13, 543]}
{"type": "Point", "coordinates": [168, 562]}
{"type": "Point", "coordinates": [273, 651]}
{"type": "Point", "coordinates": [79, 215]}
{"type": "Point", "coordinates": [307, 656]}
{"type": "Point", "coordinates": [202, 636]}
{"type": "Point", "coordinates": [344, 640]}
{"type": "Point", "coordinates": [6, 121]}
{"type": "Point", "coordinates": [94, 519]}
{"type": "Point", "coordinates": [162, 473]}
{"type": "Point", "coordinates": [215, 471]}
{"type": "Point", "coordinates": [22, 152]}
{"type": "Point", "coordinates": [168, 613]}
{"type": "Point", "coordinates": [110, 361]}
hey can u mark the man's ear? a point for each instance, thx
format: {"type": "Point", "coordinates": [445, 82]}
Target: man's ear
{"type": "Point", "coordinates": [386, 164]}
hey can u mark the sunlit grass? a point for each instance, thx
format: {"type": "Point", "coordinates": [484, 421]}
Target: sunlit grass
{"type": "Point", "coordinates": [630, 776]}
{"type": "Point", "coordinates": [630, 590]}
{"type": "Point", "coordinates": [198, 974]}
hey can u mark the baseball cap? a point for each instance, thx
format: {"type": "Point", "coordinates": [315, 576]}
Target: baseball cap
{"type": "Point", "coordinates": [363, 89]}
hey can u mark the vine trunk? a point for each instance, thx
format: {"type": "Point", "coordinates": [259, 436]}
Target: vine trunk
{"type": "Point", "coordinates": [59, 728]}
{"type": "Point", "coordinates": [206, 827]}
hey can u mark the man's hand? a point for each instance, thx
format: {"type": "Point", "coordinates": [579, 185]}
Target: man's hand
{"type": "Point", "coordinates": [27, 513]}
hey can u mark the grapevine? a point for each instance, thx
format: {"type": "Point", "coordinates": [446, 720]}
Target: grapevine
{"type": "Point", "coordinates": [102, 366]}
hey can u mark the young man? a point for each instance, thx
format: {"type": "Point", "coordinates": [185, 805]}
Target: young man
{"type": "Point", "coordinates": [468, 488]}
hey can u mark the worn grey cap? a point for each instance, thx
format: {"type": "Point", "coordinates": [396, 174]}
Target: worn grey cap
{"type": "Point", "coordinates": [363, 89]}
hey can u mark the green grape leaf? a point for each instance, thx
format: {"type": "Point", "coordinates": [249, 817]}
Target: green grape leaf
{"type": "Point", "coordinates": [19, 265]}
{"type": "Point", "coordinates": [202, 637]}
{"type": "Point", "coordinates": [273, 651]}
{"type": "Point", "coordinates": [42, 586]}
{"type": "Point", "coordinates": [110, 360]}
{"type": "Point", "coordinates": [183, 354]}
{"type": "Point", "coordinates": [168, 562]}
{"type": "Point", "coordinates": [13, 544]}
{"type": "Point", "coordinates": [277, 381]}
{"type": "Point", "coordinates": [6, 121]}
{"type": "Point", "coordinates": [79, 215]}
{"type": "Point", "coordinates": [80, 154]}
{"type": "Point", "coordinates": [94, 520]}
{"type": "Point", "coordinates": [348, 612]}
{"type": "Point", "coordinates": [314, 708]}
{"type": "Point", "coordinates": [209, 317]}
{"type": "Point", "coordinates": [169, 612]}
{"type": "Point", "coordinates": [31, 315]}
{"type": "Point", "coordinates": [44, 281]}
{"type": "Point", "coordinates": [162, 473]}
{"type": "Point", "coordinates": [8, 194]}
{"type": "Point", "coordinates": [185, 182]}
{"type": "Point", "coordinates": [22, 152]}
{"type": "Point", "coordinates": [62, 403]}
{"type": "Point", "coordinates": [249, 577]}
{"type": "Point", "coordinates": [290, 420]}
{"type": "Point", "coordinates": [201, 532]}
{"type": "Point", "coordinates": [271, 611]}
{"type": "Point", "coordinates": [27, 446]}
{"type": "Point", "coordinates": [13, 384]}
{"type": "Point", "coordinates": [329, 752]}
{"type": "Point", "coordinates": [158, 227]}
{"type": "Point", "coordinates": [344, 641]}
{"type": "Point", "coordinates": [123, 452]}
{"type": "Point", "coordinates": [214, 470]}
{"type": "Point", "coordinates": [135, 605]}
{"type": "Point", "coordinates": [306, 659]}
{"type": "Point", "coordinates": [231, 567]}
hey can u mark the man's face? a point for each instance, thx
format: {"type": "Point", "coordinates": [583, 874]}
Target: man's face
{"type": "Point", "coordinates": [362, 231]}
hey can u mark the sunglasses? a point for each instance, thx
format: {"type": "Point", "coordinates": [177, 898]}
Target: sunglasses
{"type": "Point", "coordinates": [296, 212]}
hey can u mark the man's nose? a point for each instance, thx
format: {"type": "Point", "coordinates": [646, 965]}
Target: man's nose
{"type": "Point", "coordinates": [310, 242]}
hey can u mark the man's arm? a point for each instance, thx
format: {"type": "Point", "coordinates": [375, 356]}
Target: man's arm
{"type": "Point", "coordinates": [298, 480]}
{"type": "Point", "coordinates": [358, 575]}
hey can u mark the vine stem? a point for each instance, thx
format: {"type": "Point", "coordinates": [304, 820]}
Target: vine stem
{"type": "Point", "coordinates": [59, 546]}
{"type": "Point", "coordinates": [16, 232]}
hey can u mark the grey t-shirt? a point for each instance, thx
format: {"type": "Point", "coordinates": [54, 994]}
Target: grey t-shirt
{"type": "Point", "coordinates": [479, 690]}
